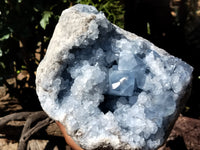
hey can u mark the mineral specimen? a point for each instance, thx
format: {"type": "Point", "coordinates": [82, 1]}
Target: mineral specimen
{"type": "Point", "coordinates": [107, 86]}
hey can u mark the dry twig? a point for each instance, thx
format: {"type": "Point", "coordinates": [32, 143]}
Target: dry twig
{"type": "Point", "coordinates": [34, 122]}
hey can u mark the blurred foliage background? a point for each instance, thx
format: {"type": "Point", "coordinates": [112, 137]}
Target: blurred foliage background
{"type": "Point", "coordinates": [26, 27]}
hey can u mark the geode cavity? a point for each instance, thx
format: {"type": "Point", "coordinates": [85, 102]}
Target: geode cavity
{"type": "Point", "coordinates": [107, 86]}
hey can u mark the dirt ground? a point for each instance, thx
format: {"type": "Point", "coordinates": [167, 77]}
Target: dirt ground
{"type": "Point", "coordinates": [10, 134]}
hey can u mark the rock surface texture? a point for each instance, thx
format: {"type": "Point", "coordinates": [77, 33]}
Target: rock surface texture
{"type": "Point", "coordinates": [109, 87]}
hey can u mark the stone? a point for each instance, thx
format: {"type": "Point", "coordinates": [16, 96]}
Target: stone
{"type": "Point", "coordinates": [110, 87]}
{"type": "Point", "coordinates": [184, 135]}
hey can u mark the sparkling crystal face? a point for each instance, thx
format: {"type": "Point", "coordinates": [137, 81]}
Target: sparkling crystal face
{"type": "Point", "coordinates": [107, 87]}
{"type": "Point", "coordinates": [121, 83]}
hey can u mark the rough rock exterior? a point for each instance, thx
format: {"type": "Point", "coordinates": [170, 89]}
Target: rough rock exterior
{"type": "Point", "coordinates": [109, 87]}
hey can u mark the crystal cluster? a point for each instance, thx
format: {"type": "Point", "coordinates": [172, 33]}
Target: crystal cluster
{"type": "Point", "coordinates": [107, 86]}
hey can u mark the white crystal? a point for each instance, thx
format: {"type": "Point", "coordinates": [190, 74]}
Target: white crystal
{"type": "Point", "coordinates": [121, 83]}
{"type": "Point", "coordinates": [127, 60]}
{"type": "Point", "coordinates": [108, 86]}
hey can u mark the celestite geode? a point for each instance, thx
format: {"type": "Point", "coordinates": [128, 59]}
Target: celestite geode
{"type": "Point", "coordinates": [110, 87]}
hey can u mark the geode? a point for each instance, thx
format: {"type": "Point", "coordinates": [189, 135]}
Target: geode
{"type": "Point", "coordinates": [109, 87]}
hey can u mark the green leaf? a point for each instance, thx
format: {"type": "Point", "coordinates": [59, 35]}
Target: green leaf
{"type": "Point", "coordinates": [23, 67]}
{"type": "Point", "coordinates": [18, 71]}
{"type": "Point", "coordinates": [35, 9]}
{"type": "Point", "coordinates": [148, 28]}
{"type": "Point", "coordinates": [1, 53]}
{"type": "Point", "coordinates": [2, 65]}
{"type": "Point", "coordinates": [45, 19]}
{"type": "Point", "coordinates": [5, 37]}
